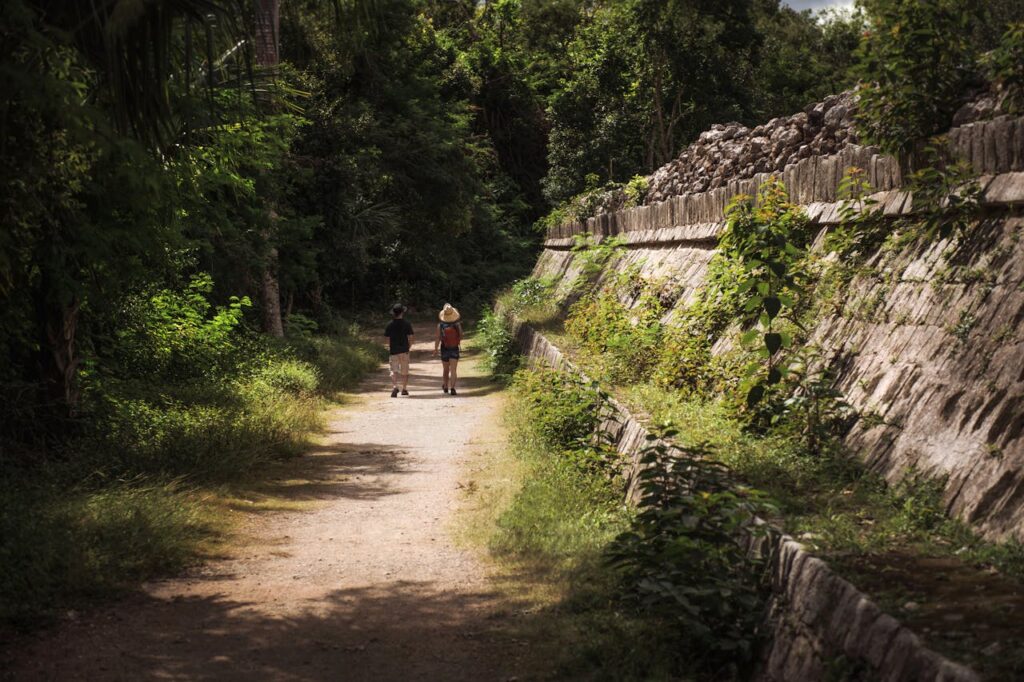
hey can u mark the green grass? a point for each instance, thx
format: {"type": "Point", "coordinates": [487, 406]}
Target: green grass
{"type": "Point", "coordinates": [343, 360]}
{"type": "Point", "coordinates": [147, 490]}
{"type": "Point", "coordinates": [552, 515]}
{"type": "Point", "coordinates": [562, 516]}
{"type": "Point", "coordinates": [63, 547]}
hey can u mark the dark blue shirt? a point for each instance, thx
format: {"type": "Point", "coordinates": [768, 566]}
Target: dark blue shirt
{"type": "Point", "coordinates": [398, 333]}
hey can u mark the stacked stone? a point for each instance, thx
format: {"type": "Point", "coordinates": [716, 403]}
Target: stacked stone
{"type": "Point", "coordinates": [732, 151]}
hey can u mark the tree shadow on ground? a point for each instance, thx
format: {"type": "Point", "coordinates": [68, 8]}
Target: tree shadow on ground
{"type": "Point", "coordinates": [425, 379]}
{"type": "Point", "coordinates": [400, 631]}
{"type": "Point", "coordinates": [333, 470]}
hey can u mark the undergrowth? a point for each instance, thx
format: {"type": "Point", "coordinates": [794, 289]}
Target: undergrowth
{"type": "Point", "coordinates": [661, 591]}
{"type": "Point", "coordinates": [572, 498]}
{"type": "Point", "coordinates": [530, 301]}
{"type": "Point", "coordinates": [192, 406]}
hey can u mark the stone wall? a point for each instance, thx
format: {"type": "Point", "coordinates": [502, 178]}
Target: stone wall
{"type": "Point", "coordinates": [928, 345]}
{"type": "Point", "coordinates": [991, 147]}
{"type": "Point", "coordinates": [816, 617]}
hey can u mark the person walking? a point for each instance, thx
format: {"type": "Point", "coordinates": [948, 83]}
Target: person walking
{"type": "Point", "coordinates": [449, 337]}
{"type": "Point", "coordinates": [399, 333]}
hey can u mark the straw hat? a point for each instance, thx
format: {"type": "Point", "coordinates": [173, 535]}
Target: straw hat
{"type": "Point", "coordinates": [449, 314]}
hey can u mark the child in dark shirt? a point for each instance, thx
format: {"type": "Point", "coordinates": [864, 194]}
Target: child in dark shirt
{"type": "Point", "coordinates": [399, 333]}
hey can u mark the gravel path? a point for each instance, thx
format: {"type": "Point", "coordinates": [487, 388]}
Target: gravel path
{"type": "Point", "coordinates": [366, 585]}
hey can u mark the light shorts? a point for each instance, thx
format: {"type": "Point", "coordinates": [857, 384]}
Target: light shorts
{"type": "Point", "coordinates": [399, 364]}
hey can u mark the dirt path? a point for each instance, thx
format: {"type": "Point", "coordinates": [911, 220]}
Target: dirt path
{"type": "Point", "coordinates": [367, 585]}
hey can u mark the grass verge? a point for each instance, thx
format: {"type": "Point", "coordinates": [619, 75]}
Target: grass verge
{"type": "Point", "coordinates": [551, 513]}
{"type": "Point", "coordinates": [153, 486]}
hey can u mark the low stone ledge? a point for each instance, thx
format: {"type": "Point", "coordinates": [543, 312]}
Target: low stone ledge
{"type": "Point", "coordinates": [1000, 191]}
{"type": "Point", "coordinates": [816, 615]}
{"type": "Point", "coordinates": [992, 148]}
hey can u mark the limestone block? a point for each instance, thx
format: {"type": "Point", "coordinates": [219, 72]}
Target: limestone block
{"type": "Point", "coordinates": [901, 661]}
{"type": "Point", "coordinates": [1003, 134]}
{"type": "Point", "coordinates": [883, 631]}
{"type": "Point", "coordinates": [977, 157]}
{"type": "Point", "coordinates": [682, 209]}
{"type": "Point", "coordinates": [805, 184]}
{"type": "Point", "coordinates": [665, 215]}
{"type": "Point", "coordinates": [1018, 147]}
{"type": "Point", "coordinates": [803, 662]}
{"type": "Point", "coordinates": [1007, 188]}
{"type": "Point", "coordinates": [953, 139]}
{"type": "Point", "coordinates": [991, 163]}
{"type": "Point", "coordinates": [875, 173]}
{"type": "Point", "coordinates": [965, 142]}
{"type": "Point", "coordinates": [861, 619]}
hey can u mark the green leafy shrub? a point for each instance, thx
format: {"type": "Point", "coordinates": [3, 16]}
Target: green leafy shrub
{"type": "Point", "coordinates": [568, 507]}
{"type": "Point", "coordinates": [684, 560]}
{"type": "Point", "coordinates": [291, 376]}
{"type": "Point", "coordinates": [947, 195]}
{"type": "Point", "coordinates": [179, 335]}
{"type": "Point", "coordinates": [300, 328]}
{"type": "Point", "coordinates": [341, 359]}
{"type": "Point", "coordinates": [861, 227]}
{"type": "Point", "coordinates": [685, 361]}
{"type": "Point", "coordinates": [501, 355]}
{"type": "Point", "coordinates": [917, 500]}
{"type": "Point", "coordinates": [593, 256]}
{"type": "Point", "coordinates": [636, 190]}
{"type": "Point", "coordinates": [813, 408]}
{"type": "Point", "coordinates": [1005, 68]}
{"type": "Point", "coordinates": [529, 300]}
{"type": "Point", "coordinates": [766, 241]}
{"type": "Point", "coordinates": [621, 343]}
{"type": "Point", "coordinates": [916, 62]}
{"type": "Point", "coordinates": [565, 409]}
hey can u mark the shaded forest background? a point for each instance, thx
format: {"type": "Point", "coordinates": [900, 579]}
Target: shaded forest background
{"type": "Point", "coordinates": [198, 196]}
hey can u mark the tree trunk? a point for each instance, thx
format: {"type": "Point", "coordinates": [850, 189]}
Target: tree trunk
{"type": "Point", "coordinates": [58, 359]}
{"type": "Point", "coordinates": [268, 15]}
{"type": "Point", "coordinates": [268, 20]}
{"type": "Point", "coordinates": [271, 297]}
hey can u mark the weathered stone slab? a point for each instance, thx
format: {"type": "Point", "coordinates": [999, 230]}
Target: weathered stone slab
{"type": "Point", "coordinates": [1005, 189]}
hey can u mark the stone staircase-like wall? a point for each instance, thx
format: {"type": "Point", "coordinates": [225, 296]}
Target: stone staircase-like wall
{"type": "Point", "coordinates": [929, 343]}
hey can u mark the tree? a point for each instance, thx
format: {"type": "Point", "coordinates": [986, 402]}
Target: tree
{"type": "Point", "coordinates": [268, 22]}
{"type": "Point", "coordinates": [916, 63]}
{"type": "Point", "coordinates": [646, 76]}
{"type": "Point", "coordinates": [87, 102]}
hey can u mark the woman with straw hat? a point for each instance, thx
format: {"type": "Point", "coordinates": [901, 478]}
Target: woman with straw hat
{"type": "Point", "coordinates": [449, 336]}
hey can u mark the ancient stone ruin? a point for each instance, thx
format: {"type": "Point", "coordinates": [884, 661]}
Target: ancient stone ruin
{"type": "Point", "coordinates": [928, 341]}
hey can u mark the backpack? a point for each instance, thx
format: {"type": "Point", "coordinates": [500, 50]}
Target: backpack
{"type": "Point", "coordinates": [451, 337]}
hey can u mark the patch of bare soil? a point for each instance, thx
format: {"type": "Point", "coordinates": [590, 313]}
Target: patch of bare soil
{"type": "Point", "coordinates": [365, 585]}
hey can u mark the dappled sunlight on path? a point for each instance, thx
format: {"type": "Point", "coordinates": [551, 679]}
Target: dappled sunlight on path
{"type": "Point", "coordinates": [363, 584]}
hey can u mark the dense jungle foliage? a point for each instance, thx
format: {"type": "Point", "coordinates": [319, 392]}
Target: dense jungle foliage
{"type": "Point", "coordinates": [319, 158]}
{"type": "Point", "coordinates": [198, 196]}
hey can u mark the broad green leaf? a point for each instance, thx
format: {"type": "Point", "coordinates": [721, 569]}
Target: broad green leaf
{"type": "Point", "coordinates": [755, 394]}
